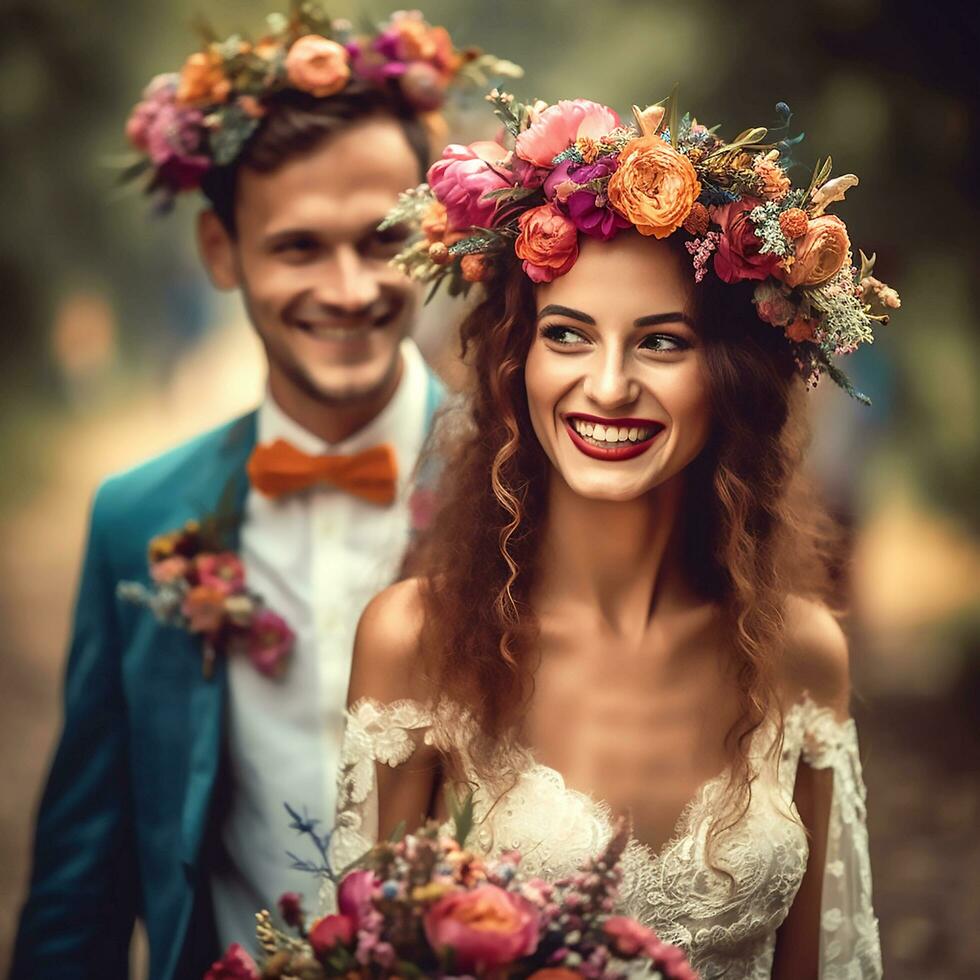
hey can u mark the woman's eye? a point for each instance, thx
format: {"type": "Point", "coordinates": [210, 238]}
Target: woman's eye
{"type": "Point", "coordinates": [558, 334]}
{"type": "Point", "coordinates": [663, 342]}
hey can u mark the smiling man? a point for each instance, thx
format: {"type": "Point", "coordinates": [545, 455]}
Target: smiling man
{"type": "Point", "coordinates": [186, 731]}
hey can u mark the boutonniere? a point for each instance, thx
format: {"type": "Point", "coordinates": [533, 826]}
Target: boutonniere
{"type": "Point", "coordinates": [199, 586]}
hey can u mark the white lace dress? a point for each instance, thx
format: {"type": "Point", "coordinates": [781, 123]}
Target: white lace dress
{"type": "Point", "coordinates": [728, 930]}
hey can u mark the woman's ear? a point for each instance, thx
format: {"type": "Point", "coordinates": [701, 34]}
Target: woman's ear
{"type": "Point", "coordinates": [217, 250]}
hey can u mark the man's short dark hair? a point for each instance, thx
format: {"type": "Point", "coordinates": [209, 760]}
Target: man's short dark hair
{"type": "Point", "coordinates": [296, 122]}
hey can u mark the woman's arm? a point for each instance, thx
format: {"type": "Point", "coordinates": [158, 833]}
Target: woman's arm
{"type": "Point", "coordinates": [817, 664]}
{"type": "Point", "coordinates": [387, 669]}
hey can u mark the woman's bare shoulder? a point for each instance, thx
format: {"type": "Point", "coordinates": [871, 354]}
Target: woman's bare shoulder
{"type": "Point", "coordinates": [817, 661]}
{"type": "Point", "coordinates": [387, 662]}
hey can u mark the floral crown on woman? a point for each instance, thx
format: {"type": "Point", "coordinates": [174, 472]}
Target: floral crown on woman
{"type": "Point", "coordinates": [202, 116]}
{"type": "Point", "coordinates": [574, 168]}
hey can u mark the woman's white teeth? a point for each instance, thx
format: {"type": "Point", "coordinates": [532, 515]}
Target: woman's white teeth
{"type": "Point", "coordinates": [611, 433]}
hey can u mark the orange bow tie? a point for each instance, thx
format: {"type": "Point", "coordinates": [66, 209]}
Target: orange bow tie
{"type": "Point", "coordinates": [279, 468]}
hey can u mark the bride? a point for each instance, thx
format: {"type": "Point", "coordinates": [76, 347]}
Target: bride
{"type": "Point", "coordinates": [618, 609]}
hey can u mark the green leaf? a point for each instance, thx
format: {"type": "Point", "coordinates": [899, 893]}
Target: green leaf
{"type": "Point", "coordinates": [398, 833]}
{"type": "Point", "coordinates": [461, 814]}
{"type": "Point", "coordinates": [234, 127]}
{"type": "Point", "coordinates": [841, 379]}
{"type": "Point", "coordinates": [509, 194]}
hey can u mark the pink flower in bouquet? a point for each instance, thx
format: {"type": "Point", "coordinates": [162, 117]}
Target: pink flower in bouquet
{"type": "Point", "coordinates": [236, 964]}
{"type": "Point", "coordinates": [738, 256]}
{"type": "Point", "coordinates": [204, 607]}
{"type": "Point", "coordinates": [331, 931]}
{"type": "Point", "coordinates": [485, 928]}
{"type": "Point", "coordinates": [354, 897]}
{"type": "Point", "coordinates": [461, 179]}
{"type": "Point", "coordinates": [548, 243]}
{"type": "Point", "coordinates": [317, 65]}
{"type": "Point", "coordinates": [270, 642]}
{"type": "Point", "coordinates": [169, 570]}
{"type": "Point", "coordinates": [223, 571]}
{"type": "Point", "coordinates": [560, 125]}
{"type": "Point", "coordinates": [627, 936]}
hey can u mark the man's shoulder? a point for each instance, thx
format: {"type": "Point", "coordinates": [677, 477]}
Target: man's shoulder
{"type": "Point", "coordinates": [163, 475]}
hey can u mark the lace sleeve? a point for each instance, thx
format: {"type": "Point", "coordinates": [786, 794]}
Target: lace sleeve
{"type": "Point", "coordinates": [849, 943]}
{"type": "Point", "coordinates": [375, 734]}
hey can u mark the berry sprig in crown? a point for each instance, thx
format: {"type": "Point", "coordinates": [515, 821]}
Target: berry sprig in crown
{"type": "Point", "coordinates": [574, 168]}
{"type": "Point", "coordinates": [202, 116]}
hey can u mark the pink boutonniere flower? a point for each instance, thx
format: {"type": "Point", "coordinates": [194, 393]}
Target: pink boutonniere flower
{"type": "Point", "coordinates": [199, 586]}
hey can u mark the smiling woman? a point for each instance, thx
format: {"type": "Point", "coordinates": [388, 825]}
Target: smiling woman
{"type": "Point", "coordinates": [619, 608]}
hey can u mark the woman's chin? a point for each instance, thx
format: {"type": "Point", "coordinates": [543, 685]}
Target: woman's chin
{"type": "Point", "coordinates": [612, 489]}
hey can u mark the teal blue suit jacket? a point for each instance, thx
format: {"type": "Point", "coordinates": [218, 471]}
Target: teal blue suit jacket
{"type": "Point", "coordinates": [132, 801]}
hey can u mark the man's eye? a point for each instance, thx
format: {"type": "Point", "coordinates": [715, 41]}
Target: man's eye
{"type": "Point", "coordinates": [559, 334]}
{"type": "Point", "coordinates": [390, 240]}
{"type": "Point", "coordinates": [301, 246]}
{"type": "Point", "coordinates": [663, 342]}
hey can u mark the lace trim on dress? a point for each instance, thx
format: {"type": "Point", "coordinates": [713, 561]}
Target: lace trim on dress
{"type": "Point", "coordinates": [726, 922]}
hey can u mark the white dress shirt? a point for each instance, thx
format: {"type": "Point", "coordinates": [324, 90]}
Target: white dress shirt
{"type": "Point", "coordinates": [316, 558]}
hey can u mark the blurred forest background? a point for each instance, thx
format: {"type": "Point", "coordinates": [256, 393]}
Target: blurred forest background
{"type": "Point", "coordinates": [115, 347]}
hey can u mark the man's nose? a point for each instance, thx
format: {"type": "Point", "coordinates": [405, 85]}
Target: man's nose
{"type": "Point", "coordinates": [349, 284]}
{"type": "Point", "coordinates": [608, 382]}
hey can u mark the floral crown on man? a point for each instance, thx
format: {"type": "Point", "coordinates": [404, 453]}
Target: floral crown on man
{"type": "Point", "coordinates": [574, 168]}
{"type": "Point", "coordinates": [202, 116]}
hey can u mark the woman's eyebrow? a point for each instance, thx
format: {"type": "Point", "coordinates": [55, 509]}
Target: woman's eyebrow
{"type": "Point", "coordinates": [656, 318]}
{"type": "Point", "coordinates": [553, 309]}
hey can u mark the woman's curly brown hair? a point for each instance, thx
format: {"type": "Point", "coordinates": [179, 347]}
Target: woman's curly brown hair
{"type": "Point", "coordinates": [752, 533]}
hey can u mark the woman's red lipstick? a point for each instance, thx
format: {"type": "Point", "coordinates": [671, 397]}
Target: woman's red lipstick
{"type": "Point", "coordinates": [621, 451]}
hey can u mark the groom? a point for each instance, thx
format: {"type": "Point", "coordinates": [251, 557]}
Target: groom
{"type": "Point", "coordinates": [165, 797]}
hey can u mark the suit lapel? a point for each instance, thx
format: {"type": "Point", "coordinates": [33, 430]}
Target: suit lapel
{"type": "Point", "coordinates": [223, 484]}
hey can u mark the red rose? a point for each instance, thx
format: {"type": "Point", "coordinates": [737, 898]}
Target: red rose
{"type": "Point", "coordinates": [738, 255]}
{"type": "Point", "coordinates": [331, 931]}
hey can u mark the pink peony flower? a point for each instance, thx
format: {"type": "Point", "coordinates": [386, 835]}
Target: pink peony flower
{"type": "Point", "coordinates": [738, 254]}
{"type": "Point", "coordinates": [548, 243]}
{"type": "Point", "coordinates": [223, 571]}
{"type": "Point", "coordinates": [317, 65]}
{"type": "Point", "coordinates": [236, 964]}
{"type": "Point", "coordinates": [461, 179]}
{"type": "Point", "coordinates": [486, 928]}
{"type": "Point", "coordinates": [270, 642]}
{"type": "Point", "coordinates": [354, 897]}
{"type": "Point", "coordinates": [331, 931]}
{"type": "Point", "coordinates": [558, 126]}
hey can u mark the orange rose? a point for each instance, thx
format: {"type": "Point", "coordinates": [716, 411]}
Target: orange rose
{"type": "Point", "coordinates": [548, 243]}
{"type": "Point", "coordinates": [435, 221]}
{"type": "Point", "coordinates": [801, 329]}
{"type": "Point", "coordinates": [317, 65]}
{"type": "Point", "coordinates": [202, 80]}
{"type": "Point", "coordinates": [475, 268]}
{"type": "Point", "coordinates": [654, 187]}
{"type": "Point", "coordinates": [819, 253]}
{"type": "Point", "coordinates": [204, 608]}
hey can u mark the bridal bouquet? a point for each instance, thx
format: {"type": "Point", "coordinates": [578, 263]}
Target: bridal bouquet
{"type": "Point", "coordinates": [425, 906]}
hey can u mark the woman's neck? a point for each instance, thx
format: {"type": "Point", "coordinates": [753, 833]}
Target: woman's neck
{"type": "Point", "coordinates": [616, 556]}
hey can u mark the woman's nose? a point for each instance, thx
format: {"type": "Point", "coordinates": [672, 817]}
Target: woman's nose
{"type": "Point", "coordinates": [609, 384]}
